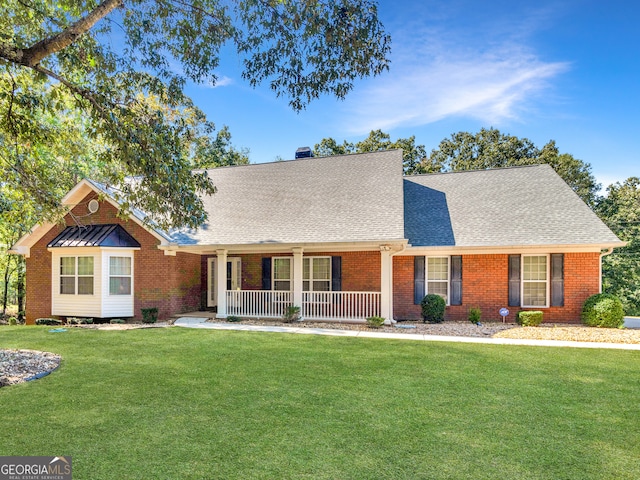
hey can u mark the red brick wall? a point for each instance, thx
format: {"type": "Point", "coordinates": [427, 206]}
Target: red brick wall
{"type": "Point", "coordinates": [360, 270]}
{"type": "Point", "coordinates": [485, 286]}
{"type": "Point", "coordinates": [170, 283]}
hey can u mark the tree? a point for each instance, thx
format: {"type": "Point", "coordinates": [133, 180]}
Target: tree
{"type": "Point", "coordinates": [58, 57]}
{"type": "Point", "coordinates": [493, 149]}
{"type": "Point", "coordinates": [620, 210]}
{"type": "Point", "coordinates": [412, 154]}
{"type": "Point", "coordinates": [16, 218]}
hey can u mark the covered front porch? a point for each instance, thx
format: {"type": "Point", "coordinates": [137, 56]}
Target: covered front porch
{"type": "Point", "coordinates": [344, 286]}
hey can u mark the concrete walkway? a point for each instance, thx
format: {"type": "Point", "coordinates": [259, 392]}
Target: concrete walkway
{"type": "Point", "coordinates": [632, 322]}
{"type": "Point", "coordinates": [195, 322]}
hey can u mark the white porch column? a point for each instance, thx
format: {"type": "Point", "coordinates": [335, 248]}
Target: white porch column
{"type": "Point", "coordinates": [297, 278]}
{"type": "Point", "coordinates": [221, 283]}
{"type": "Point", "coordinates": [385, 284]}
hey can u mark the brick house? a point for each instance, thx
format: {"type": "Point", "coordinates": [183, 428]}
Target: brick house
{"type": "Point", "coordinates": [344, 237]}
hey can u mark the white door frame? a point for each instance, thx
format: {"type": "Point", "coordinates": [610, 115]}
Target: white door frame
{"type": "Point", "coordinates": [236, 278]}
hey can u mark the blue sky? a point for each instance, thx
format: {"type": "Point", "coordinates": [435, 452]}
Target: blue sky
{"type": "Point", "coordinates": [562, 70]}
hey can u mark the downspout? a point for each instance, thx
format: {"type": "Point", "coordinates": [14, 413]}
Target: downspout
{"type": "Point", "coordinates": [603, 253]}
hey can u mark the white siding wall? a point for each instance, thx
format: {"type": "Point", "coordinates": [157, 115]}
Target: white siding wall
{"type": "Point", "coordinates": [101, 304]}
{"type": "Point", "coordinates": [76, 305]}
{"type": "Point", "coordinates": [116, 305]}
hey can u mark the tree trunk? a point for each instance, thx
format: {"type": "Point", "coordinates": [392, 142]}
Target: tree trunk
{"type": "Point", "coordinates": [5, 293]}
{"type": "Point", "coordinates": [20, 288]}
{"type": "Point", "coordinates": [32, 56]}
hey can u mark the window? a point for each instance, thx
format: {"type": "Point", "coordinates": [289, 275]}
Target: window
{"type": "Point", "coordinates": [534, 280]}
{"type": "Point", "coordinates": [282, 274]}
{"type": "Point", "coordinates": [119, 275]}
{"type": "Point", "coordinates": [76, 275]}
{"type": "Point", "coordinates": [316, 274]}
{"type": "Point", "coordinates": [438, 276]}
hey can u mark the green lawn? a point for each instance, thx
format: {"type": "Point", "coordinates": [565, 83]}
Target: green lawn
{"type": "Point", "coordinates": [179, 404]}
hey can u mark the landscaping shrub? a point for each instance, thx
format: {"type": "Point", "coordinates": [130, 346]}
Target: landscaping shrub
{"type": "Point", "coordinates": [291, 314]}
{"type": "Point", "coordinates": [375, 322]}
{"type": "Point", "coordinates": [150, 315]}
{"type": "Point", "coordinates": [233, 318]}
{"type": "Point", "coordinates": [118, 321]}
{"type": "Point", "coordinates": [79, 321]}
{"type": "Point", "coordinates": [529, 318]}
{"type": "Point", "coordinates": [603, 310]}
{"type": "Point", "coordinates": [433, 308]}
{"type": "Point", "coordinates": [48, 321]}
{"type": "Point", "coordinates": [13, 321]}
{"type": "Point", "coordinates": [475, 315]}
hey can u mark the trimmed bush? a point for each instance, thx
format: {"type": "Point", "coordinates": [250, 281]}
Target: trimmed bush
{"type": "Point", "coordinates": [48, 321]}
{"type": "Point", "coordinates": [233, 318]}
{"type": "Point", "coordinates": [433, 308]}
{"type": "Point", "coordinates": [475, 315]}
{"type": "Point", "coordinates": [117, 321]}
{"type": "Point", "coordinates": [375, 322]}
{"type": "Point", "coordinates": [79, 321]}
{"type": "Point", "coordinates": [291, 314]}
{"type": "Point", "coordinates": [149, 315]}
{"type": "Point", "coordinates": [603, 310]}
{"type": "Point", "coordinates": [529, 318]}
{"type": "Point", "coordinates": [13, 321]}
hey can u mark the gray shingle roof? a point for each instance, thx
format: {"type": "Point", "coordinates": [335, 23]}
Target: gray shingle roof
{"type": "Point", "coordinates": [347, 198]}
{"type": "Point", "coordinates": [516, 206]}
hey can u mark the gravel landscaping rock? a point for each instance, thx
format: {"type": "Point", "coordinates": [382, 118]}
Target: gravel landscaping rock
{"type": "Point", "coordinates": [575, 333]}
{"type": "Point", "coordinates": [21, 365]}
{"type": "Point", "coordinates": [567, 332]}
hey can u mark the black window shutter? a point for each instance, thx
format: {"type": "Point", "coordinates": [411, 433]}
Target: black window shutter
{"type": "Point", "coordinates": [557, 280]}
{"type": "Point", "coordinates": [336, 274]}
{"type": "Point", "coordinates": [229, 268]}
{"type": "Point", "coordinates": [456, 280]}
{"type": "Point", "coordinates": [418, 279]}
{"type": "Point", "coordinates": [266, 273]}
{"type": "Point", "coordinates": [514, 280]}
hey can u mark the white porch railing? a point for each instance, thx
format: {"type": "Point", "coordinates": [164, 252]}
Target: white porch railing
{"type": "Point", "coordinates": [258, 303]}
{"type": "Point", "coordinates": [315, 305]}
{"type": "Point", "coordinates": [340, 305]}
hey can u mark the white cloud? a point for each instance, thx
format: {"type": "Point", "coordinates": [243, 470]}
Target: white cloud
{"type": "Point", "coordinates": [482, 86]}
{"type": "Point", "coordinates": [437, 72]}
{"type": "Point", "coordinates": [223, 81]}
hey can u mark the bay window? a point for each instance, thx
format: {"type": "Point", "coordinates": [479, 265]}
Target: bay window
{"type": "Point", "coordinates": [119, 275]}
{"type": "Point", "coordinates": [76, 275]}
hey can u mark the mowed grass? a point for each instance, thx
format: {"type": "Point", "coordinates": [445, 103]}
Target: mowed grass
{"type": "Point", "coordinates": [190, 404]}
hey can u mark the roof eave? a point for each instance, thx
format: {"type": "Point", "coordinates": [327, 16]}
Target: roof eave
{"type": "Point", "coordinates": [494, 249]}
{"type": "Point", "coordinates": [237, 249]}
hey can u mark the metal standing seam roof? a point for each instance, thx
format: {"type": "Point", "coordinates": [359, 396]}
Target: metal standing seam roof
{"type": "Point", "coordinates": [516, 206]}
{"type": "Point", "coordinates": [110, 235]}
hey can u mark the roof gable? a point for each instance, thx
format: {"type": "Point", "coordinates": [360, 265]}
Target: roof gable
{"type": "Point", "coordinates": [517, 206]}
{"type": "Point", "coordinates": [346, 198]}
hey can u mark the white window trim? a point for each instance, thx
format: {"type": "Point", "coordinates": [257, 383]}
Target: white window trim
{"type": "Point", "coordinates": [108, 286]}
{"type": "Point", "coordinates": [273, 274]}
{"type": "Point", "coordinates": [76, 275]}
{"type": "Point", "coordinates": [547, 281]}
{"type": "Point", "coordinates": [448, 281]}
{"type": "Point", "coordinates": [311, 279]}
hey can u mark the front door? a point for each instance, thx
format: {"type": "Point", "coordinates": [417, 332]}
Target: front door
{"type": "Point", "coordinates": [234, 278]}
